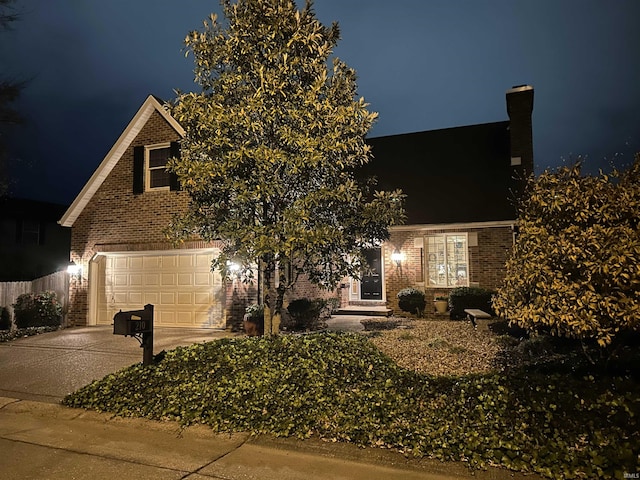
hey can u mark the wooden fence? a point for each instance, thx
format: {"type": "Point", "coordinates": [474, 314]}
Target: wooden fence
{"type": "Point", "coordinates": [57, 282]}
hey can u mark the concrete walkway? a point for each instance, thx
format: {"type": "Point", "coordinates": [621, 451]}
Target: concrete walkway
{"type": "Point", "coordinates": [44, 440]}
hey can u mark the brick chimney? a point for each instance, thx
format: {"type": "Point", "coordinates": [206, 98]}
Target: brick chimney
{"type": "Point", "coordinates": [520, 108]}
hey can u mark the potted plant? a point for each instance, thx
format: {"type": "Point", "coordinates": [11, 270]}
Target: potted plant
{"type": "Point", "coordinates": [441, 302]}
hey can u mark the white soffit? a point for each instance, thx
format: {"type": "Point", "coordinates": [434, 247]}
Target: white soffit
{"type": "Point", "coordinates": [111, 159]}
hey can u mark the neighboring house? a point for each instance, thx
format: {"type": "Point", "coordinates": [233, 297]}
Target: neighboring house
{"type": "Point", "coordinates": [460, 228]}
{"type": "Point", "coordinates": [32, 244]}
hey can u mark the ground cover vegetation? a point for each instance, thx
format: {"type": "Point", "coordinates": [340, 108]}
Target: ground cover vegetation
{"type": "Point", "coordinates": [271, 146]}
{"type": "Point", "coordinates": [532, 405]}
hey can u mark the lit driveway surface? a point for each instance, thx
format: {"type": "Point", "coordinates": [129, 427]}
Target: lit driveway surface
{"type": "Point", "coordinates": [47, 367]}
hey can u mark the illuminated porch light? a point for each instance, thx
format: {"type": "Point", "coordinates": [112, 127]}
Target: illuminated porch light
{"type": "Point", "coordinates": [397, 256]}
{"type": "Point", "coordinates": [73, 269]}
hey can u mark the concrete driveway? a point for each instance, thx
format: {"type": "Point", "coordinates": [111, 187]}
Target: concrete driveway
{"type": "Point", "coordinates": [47, 367]}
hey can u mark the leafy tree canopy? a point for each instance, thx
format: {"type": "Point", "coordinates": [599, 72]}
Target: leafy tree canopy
{"type": "Point", "coordinates": [271, 147]}
{"type": "Point", "coordinates": [575, 268]}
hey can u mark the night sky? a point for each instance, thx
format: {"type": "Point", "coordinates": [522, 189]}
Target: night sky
{"type": "Point", "coordinates": [422, 64]}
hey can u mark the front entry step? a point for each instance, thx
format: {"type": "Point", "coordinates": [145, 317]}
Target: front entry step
{"type": "Point", "coordinates": [373, 310]}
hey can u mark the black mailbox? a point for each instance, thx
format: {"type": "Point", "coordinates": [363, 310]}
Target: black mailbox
{"type": "Point", "coordinates": [133, 322]}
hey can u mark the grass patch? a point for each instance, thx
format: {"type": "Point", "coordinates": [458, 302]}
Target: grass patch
{"type": "Point", "coordinates": [341, 387]}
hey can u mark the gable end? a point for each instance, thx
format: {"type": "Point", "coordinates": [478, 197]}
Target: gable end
{"type": "Point", "coordinates": [150, 105]}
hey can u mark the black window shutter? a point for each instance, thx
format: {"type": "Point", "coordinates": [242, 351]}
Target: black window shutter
{"type": "Point", "coordinates": [138, 170]}
{"type": "Point", "coordinates": [174, 183]}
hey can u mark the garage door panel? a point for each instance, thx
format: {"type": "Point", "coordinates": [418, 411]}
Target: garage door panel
{"type": "Point", "coordinates": [151, 297]}
{"type": "Point", "coordinates": [202, 279]}
{"type": "Point", "coordinates": [135, 298]}
{"type": "Point", "coordinates": [167, 298]}
{"type": "Point", "coordinates": [185, 261]}
{"type": "Point", "coordinates": [181, 286]}
{"type": "Point", "coordinates": [202, 298]}
{"type": "Point", "coordinates": [120, 263]}
{"type": "Point", "coordinates": [185, 298]}
{"type": "Point", "coordinates": [203, 261]}
{"type": "Point", "coordinates": [132, 263]}
{"type": "Point", "coordinates": [119, 297]}
{"type": "Point", "coordinates": [151, 262]}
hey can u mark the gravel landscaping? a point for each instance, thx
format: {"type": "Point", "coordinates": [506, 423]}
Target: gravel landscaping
{"type": "Point", "coordinates": [440, 347]}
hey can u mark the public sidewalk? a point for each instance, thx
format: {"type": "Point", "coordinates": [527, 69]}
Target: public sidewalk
{"type": "Point", "coordinates": [46, 441]}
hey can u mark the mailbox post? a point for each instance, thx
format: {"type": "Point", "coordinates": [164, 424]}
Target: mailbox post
{"type": "Point", "coordinates": [137, 324]}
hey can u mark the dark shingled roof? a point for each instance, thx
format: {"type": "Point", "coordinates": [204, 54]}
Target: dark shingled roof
{"type": "Point", "coordinates": [454, 175]}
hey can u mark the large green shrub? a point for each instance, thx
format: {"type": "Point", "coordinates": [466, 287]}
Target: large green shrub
{"type": "Point", "coordinates": [40, 310]}
{"type": "Point", "coordinates": [574, 268]}
{"type": "Point", "coordinates": [411, 300]}
{"type": "Point", "coordinates": [306, 313]}
{"type": "Point", "coordinates": [461, 298]}
{"type": "Point", "coordinates": [5, 319]}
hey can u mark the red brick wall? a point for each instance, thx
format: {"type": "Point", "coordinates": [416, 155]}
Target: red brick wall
{"type": "Point", "coordinates": [116, 219]}
{"type": "Point", "coordinates": [486, 261]}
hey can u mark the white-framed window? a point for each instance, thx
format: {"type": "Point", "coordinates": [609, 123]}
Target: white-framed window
{"type": "Point", "coordinates": [447, 260]}
{"type": "Point", "coordinates": [156, 175]}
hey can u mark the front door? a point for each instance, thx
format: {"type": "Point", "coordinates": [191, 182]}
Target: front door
{"type": "Point", "coordinates": [371, 284]}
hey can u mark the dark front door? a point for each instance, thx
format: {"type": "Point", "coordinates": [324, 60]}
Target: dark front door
{"type": "Point", "coordinates": [371, 284]}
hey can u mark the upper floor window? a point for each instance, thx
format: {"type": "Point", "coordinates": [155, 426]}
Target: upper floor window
{"type": "Point", "coordinates": [157, 176]}
{"type": "Point", "coordinates": [447, 259]}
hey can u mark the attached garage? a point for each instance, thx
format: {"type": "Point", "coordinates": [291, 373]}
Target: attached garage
{"type": "Point", "coordinates": [180, 285]}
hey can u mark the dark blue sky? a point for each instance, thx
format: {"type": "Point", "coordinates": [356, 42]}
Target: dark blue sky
{"type": "Point", "coordinates": [422, 64]}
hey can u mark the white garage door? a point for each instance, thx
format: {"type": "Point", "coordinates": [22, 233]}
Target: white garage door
{"type": "Point", "coordinates": [181, 286]}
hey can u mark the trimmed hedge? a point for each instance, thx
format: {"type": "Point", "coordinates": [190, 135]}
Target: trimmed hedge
{"type": "Point", "coordinates": [306, 313]}
{"type": "Point", "coordinates": [469, 297]}
{"type": "Point", "coordinates": [411, 300]}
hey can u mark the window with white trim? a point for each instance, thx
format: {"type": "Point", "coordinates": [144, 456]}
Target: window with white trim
{"type": "Point", "coordinates": [156, 175]}
{"type": "Point", "coordinates": [447, 260]}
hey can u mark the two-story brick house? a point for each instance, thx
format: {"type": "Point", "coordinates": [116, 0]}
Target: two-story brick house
{"type": "Point", "coordinates": [459, 232]}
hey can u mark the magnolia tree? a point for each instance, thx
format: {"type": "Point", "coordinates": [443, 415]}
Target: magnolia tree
{"type": "Point", "coordinates": [271, 146]}
{"type": "Point", "coordinates": [575, 268]}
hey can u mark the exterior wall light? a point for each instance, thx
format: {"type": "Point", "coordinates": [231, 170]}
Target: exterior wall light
{"type": "Point", "coordinates": [233, 267]}
{"type": "Point", "coordinates": [397, 256]}
{"type": "Point", "coordinates": [74, 270]}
